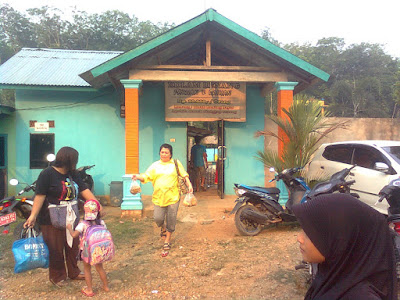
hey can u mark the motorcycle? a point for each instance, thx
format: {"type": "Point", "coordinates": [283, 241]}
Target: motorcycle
{"type": "Point", "coordinates": [14, 207]}
{"type": "Point", "coordinates": [258, 206]}
{"type": "Point", "coordinates": [336, 183]}
{"type": "Point", "coordinates": [391, 193]}
{"type": "Point", "coordinates": [87, 178]}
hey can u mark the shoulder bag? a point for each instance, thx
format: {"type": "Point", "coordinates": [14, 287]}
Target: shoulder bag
{"type": "Point", "coordinates": [181, 181]}
{"type": "Point", "coordinates": [59, 213]}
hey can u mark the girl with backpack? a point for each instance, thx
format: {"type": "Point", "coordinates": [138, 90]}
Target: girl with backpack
{"type": "Point", "coordinates": [93, 233]}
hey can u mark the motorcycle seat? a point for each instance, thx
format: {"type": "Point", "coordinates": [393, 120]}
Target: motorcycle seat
{"type": "Point", "coordinates": [269, 190]}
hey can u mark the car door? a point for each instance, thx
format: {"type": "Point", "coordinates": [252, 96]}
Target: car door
{"type": "Point", "coordinates": [368, 181]}
{"type": "Point", "coordinates": [333, 159]}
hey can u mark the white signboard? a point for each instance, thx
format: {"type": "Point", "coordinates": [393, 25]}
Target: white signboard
{"type": "Point", "coordinates": [41, 126]}
{"type": "Point", "coordinates": [205, 101]}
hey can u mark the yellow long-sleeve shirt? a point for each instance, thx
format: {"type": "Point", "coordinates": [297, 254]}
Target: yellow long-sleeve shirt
{"type": "Point", "coordinates": [165, 181]}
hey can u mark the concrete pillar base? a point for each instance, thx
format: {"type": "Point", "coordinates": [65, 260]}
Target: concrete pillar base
{"type": "Point", "coordinates": [129, 201]}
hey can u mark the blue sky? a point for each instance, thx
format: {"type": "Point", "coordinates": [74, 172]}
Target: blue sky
{"type": "Point", "coordinates": [289, 21]}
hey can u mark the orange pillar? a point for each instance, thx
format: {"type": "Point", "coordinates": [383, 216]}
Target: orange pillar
{"type": "Point", "coordinates": [129, 201]}
{"type": "Point", "coordinates": [285, 100]}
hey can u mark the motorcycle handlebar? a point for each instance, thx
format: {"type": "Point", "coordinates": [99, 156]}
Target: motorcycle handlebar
{"type": "Point", "coordinates": [350, 182]}
{"type": "Point", "coordinates": [383, 196]}
{"type": "Point", "coordinates": [87, 167]}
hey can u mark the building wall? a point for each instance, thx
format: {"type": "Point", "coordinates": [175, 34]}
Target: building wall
{"type": "Point", "coordinates": [7, 128]}
{"type": "Point", "coordinates": [87, 121]}
{"type": "Point", "coordinates": [242, 146]}
{"type": "Point", "coordinates": [240, 165]}
{"type": "Point", "coordinates": [91, 123]}
{"type": "Point", "coordinates": [155, 131]}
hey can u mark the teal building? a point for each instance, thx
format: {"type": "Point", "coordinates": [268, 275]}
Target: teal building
{"type": "Point", "coordinates": [117, 108]}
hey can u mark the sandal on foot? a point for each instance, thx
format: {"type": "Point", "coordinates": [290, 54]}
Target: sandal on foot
{"type": "Point", "coordinates": [60, 284]}
{"type": "Point", "coordinates": [163, 232]}
{"type": "Point", "coordinates": [81, 276]}
{"type": "Point", "coordinates": [85, 293]}
{"type": "Point", "coordinates": [164, 253]}
{"type": "Point", "coordinates": [167, 246]}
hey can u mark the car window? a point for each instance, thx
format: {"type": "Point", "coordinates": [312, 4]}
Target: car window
{"type": "Point", "coordinates": [367, 157]}
{"type": "Point", "coordinates": [341, 153]}
{"type": "Point", "coordinates": [394, 152]}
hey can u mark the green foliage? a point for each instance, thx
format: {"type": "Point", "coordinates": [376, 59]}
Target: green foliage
{"type": "Point", "coordinates": [364, 81]}
{"type": "Point", "coordinates": [47, 27]}
{"type": "Point", "coordinates": [304, 126]}
{"type": "Point", "coordinates": [7, 98]}
{"type": "Point", "coordinates": [363, 78]}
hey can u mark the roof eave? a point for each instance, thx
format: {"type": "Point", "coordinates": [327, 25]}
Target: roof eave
{"type": "Point", "coordinates": [209, 16]}
{"type": "Point", "coordinates": [47, 88]}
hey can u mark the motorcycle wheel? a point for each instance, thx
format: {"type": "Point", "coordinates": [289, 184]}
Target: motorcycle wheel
{"type": "Point", "coordinates": [245, 226]}
{"type": "Point", "coordinates": [20, 231]}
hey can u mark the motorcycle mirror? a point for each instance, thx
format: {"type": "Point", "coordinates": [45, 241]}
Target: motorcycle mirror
{"type": "Point", "coordinates": [50, 157]}
{"type": "Point", "coordinates": [14, 181]}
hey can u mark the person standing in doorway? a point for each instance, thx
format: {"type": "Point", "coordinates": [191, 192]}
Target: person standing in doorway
{"type": "Point", "coordinates": [198, 156]}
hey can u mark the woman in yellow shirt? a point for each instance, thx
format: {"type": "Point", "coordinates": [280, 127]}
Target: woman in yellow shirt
{"type": "Point", "coordinates": [164, 178]}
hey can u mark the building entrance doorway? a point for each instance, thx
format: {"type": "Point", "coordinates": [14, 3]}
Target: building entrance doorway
{"type": "Point", "coordinates": [211, 135]}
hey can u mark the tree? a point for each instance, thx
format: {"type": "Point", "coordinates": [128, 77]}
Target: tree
{"type": "Point", "coordinates": [304, 126]}
{"type": "Point", "coordinates": [16, 31]}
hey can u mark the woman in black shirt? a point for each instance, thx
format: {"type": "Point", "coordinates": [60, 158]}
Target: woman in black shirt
{"type": "Point", "coordinates": [54, 185]}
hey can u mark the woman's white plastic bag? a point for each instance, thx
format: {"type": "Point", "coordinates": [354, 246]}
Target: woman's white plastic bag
{"type": "Point", "coordinates": [190, 200]}
{"type": "Point", "coordinates": [135, 187]}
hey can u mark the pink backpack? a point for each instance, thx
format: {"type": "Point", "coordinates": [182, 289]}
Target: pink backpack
{"type": "Point", "coordinates": [98, 245]}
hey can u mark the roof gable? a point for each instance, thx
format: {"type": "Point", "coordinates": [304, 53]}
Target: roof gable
{"type": "Point", "coordinates": [246, 48]}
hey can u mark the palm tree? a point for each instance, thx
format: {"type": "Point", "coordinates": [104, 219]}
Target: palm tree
{"type": "Point", "coordinates": [304, 126]}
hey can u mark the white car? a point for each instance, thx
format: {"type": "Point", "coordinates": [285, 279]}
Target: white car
{"type": "Point", "coordinates": [378, 163]}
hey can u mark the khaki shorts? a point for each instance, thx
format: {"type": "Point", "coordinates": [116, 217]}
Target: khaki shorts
{"type": "Point", "coordinates": [200, 171]}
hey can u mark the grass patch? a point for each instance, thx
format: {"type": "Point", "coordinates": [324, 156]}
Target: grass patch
{"type": "Point", "coordinates": [6, 255]}
{"type": "Point", "coordinates": [124, 233]}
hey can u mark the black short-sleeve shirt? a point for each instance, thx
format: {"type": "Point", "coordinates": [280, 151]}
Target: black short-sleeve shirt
{"type": "Point", "coordinates": [57, 187]}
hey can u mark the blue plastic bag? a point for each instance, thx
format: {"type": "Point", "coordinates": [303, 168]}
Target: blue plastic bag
{"type": "Point", "coordinates": [30, 253]}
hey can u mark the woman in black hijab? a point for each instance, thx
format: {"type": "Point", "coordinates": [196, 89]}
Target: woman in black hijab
{"type": "Point", "coordinates": [352, 245]}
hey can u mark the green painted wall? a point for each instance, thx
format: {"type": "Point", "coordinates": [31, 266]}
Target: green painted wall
{"type": "Point", "coordinates": [7, 128]}
{"type": "Point", "coordinates": [90, 122]}
{"type": "Point", "coordinates": [155, 131]}
{"type": "Point", "coordinates": [240, 164]}
{"type": "Point", "coordinates": [87, 121]}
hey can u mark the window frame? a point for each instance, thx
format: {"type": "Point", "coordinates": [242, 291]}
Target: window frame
{"type": "Point", "coordinates": [44, 162]}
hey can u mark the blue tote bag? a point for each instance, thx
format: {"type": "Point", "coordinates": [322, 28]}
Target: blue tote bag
{"type": "Point", "coordinates": [30, 253]}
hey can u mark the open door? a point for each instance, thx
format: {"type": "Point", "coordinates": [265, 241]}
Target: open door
{"type": "Point", "coordinates": [221, 159]}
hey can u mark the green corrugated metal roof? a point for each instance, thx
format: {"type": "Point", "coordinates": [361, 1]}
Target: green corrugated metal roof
{"type": "Point", "coordinates": [51, 67]}
{"type": "Point", "coordinates": [209, 16]}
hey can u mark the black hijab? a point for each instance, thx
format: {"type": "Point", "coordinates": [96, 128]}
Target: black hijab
{"type": "Point", "coordinates": [357, 245]}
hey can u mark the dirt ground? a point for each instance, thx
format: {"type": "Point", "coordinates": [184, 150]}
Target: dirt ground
{"type": "Point", "coordinates": [208, 260]}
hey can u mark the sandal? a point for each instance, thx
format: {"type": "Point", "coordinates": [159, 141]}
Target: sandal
{"type": "Point", "coordinates": [167, 246]}
{"type": "Point", "coordinates": [163, 232]}
{"type": "Point", "coordinates": [60, 284]}
{"type": "Point", "coordinates": [85, 293]}
{"type": "Point", "coordinates": [81, 276]}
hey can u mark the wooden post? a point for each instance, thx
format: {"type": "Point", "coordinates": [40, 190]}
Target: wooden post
{"type": "Point", "coordinates": [285, 100]}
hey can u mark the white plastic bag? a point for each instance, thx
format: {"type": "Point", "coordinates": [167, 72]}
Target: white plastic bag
{"type": "Point", "coordinates": [190, 200]}
{"type": "Point", "coordinates": [135, 187]}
